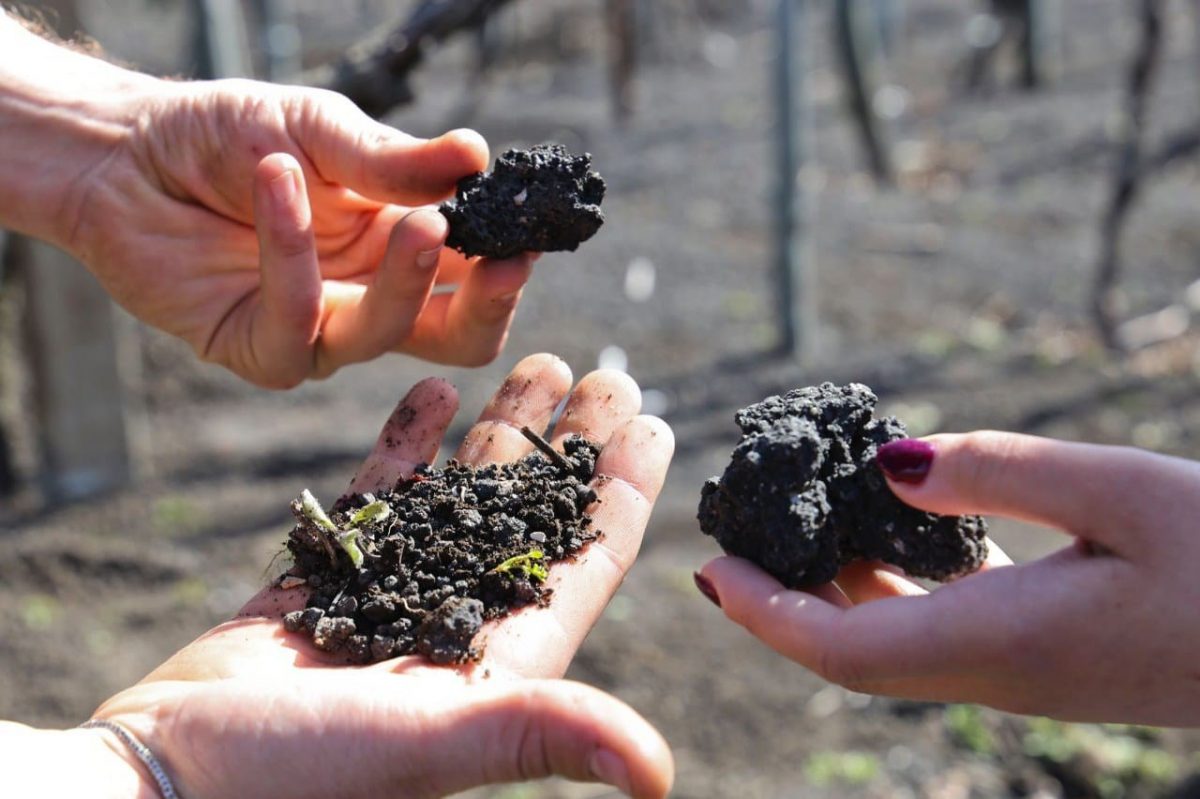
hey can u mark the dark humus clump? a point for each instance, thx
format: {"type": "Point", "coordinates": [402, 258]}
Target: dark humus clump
{"type": "Point", "coordinates": [420, 568]}
{"type": "Point", "coordinates": [803, 496]}
{"type": "Point", "coordinates": [538, 200]}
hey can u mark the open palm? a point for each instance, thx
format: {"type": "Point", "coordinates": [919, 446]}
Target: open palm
{"type": "Point", "coordinates": [273, 229]}
{"type": "Point", "coordinates": [250, 710]}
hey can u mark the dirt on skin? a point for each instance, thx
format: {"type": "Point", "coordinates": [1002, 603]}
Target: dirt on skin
{"type": "Point", "coordinates": [984, 325]}
{"type": "Point", "coordinates": [420, 568]}
{"type": "Point", "coordinates": [539, 200]}
{"type": "Point", "coordinates": [803, 496]}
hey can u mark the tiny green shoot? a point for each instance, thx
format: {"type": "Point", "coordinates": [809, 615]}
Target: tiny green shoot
{"type": "Point", "coordinates": [375, 512]}
{"type": "Point", "coordinates": [846, 768]}
{"type": "Point", "coordinates": [968, 727]}
{"type": "Point", "coordinates": [313, 511]}
{"type": "Point", "coordinates": [349, 542]}
{"type": "Point", "coordinates": [531, 563]}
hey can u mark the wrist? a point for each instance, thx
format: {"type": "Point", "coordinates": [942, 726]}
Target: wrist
{"type": "Point", "coordinates": [63, 122]}
{"type": "Point", "coordinates": [71, 763]}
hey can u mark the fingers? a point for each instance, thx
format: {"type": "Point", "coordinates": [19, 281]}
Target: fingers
{"type": "Point", "coordinates": [629, 475]}
{"type": "Point", "coordinates": [380, 162]}
{"type": "Point", "coordinates": [528, 397]}
{"type": "Point", "coordinates": [861, 646]}
{"type": "Point", "coordinates": [1095, 492]}
{"type": "Point", "coordinates": [411, 435]}
{"type": "Point", "coordinates": [528, 730]}
{"type": "Point", "coordinates": [866, 581]}
{"type": "Point", "coordinates": [603, 401]}
{"type": "Point", "coordinates": [469, 326]}
{"type": "Point", "coordinates": [284, 324]}
{"type": "Point", "coordinates": [985, 638]}
{"type": "Point", "coordinates": [368, 322]}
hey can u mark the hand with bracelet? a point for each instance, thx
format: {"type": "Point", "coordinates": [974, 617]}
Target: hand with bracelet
{"type": "Point", "coordinates": [251, 710]}
{"type": "Point", "coordinates": [277, 229]}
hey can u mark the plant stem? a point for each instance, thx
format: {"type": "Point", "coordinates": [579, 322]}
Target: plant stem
{"type": "Point", "coordinates": [556, 457]}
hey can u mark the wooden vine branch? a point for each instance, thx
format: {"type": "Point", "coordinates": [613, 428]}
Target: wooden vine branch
{"type": "Point", "coordinates": [854, 56]}
{"type": "Point", "coordinates": [1128, 172]}
{"type": "Point", "coordinates": [375, 72]}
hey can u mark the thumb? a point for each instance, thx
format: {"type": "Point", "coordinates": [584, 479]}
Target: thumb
{"type": "Point", "coordinates": [532, 729]}
{"type": "Point", "coordinates": [1092, 491]}
{"type": "Point", "coordinates": [379, 162]}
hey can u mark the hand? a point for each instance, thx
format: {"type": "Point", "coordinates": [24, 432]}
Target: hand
{"type": "Point", "coordinates": [1103, 630]}
{"type": "Point", "coordinates": [276, 230]}
{"type": "Point", "coordinates": [249, 710]}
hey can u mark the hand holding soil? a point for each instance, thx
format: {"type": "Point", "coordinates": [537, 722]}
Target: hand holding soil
{"type": "Point", "coordinates": [251, 710]}
{"type": "Point", "coordinates": [278, 230]}
{"type": "Point", "coordinates": [1103, 630]}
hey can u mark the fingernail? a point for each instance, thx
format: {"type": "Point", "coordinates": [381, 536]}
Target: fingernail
{"type": "Point", "coordinates": [285, 187]}
{"type": "Point", "coordinates": [611, 770]}
{"type": "Point", "coordinates": [427, 259]}
{"type": "Point", "coordinates": [509, 299]}
{"type": "Point", "coordinates": [906, 461]}
{"type": "Point", "coordinates": [706, 587]}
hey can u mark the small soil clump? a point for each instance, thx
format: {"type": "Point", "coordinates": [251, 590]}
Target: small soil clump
{"type": "Point", "coordinates": [419, 569]}
{"type": "Point", "coordinates": [538, 200]}
{"type": "Point", "coordinates": [803, 496]}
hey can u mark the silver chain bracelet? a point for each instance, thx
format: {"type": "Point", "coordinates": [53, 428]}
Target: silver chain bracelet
{"type": "Point", "coordinates": [140, 750]}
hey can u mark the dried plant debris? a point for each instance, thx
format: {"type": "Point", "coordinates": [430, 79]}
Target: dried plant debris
{"type": "Point", "coordinates": [419, 569]}
{"type": "Point", "coordinates": [538, 200]}
{"type": "Point", "coordinates": [802, 495]}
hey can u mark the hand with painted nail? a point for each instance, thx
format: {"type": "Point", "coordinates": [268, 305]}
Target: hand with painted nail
{"type": "Point", "coordinates": [250, 710]}
{"type": "Point", "coordinates": [1105, 629]}
{"type": "Point", "coordinates": [276, 229]}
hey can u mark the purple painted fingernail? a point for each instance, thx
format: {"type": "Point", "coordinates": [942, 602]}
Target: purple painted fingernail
{"type": "Point", "coordinates": [906, 461]}
{"type": "Point", "coordinates": [706, 587]}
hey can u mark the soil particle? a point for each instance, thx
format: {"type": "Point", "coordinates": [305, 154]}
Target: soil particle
{"type": "Point", "coordinates": [538, 200]}
{"type": "Point", "coordinates": [423, 566]}
{"type": "Point", "coordinates": [447, 632]}
{"type": "Point", "coordinates": [802, 495]}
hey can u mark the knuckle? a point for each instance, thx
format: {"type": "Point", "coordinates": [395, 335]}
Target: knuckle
{"type": "Point", "coordinates": [524, 744]}
{"type": "Point", "coordinates": [290, 243]}
{"type": "Point", "coordinates": [479, 355]}
{"type": "Point", "coordinates": [986, 456]}
{"type": "Point", "coordinates": [299, 315]}
{"type": "Point", "coordinates": [837, 662]}
{"type": "Point", "coordinates": [837, 666]}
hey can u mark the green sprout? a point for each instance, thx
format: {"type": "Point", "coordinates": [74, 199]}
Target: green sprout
{"type": "Point", "coordinates": [846, 768]}
{"type": "Point", "coordinates": [530, 563]}
{"type": "Point", "coordinates": [968, 727]}
{"type": "Point", "coordinates": [349, 542]}
{"type": "Point", "coordinates": [313, 511]}
{"type": "Point", "coordinates": [375, 512]}
{"type": "Point", "coordinates": [1122, 757]}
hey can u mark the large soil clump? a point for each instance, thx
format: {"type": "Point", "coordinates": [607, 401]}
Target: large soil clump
{"type": "Point", "coordinates": [538, 200]}
{"type": "Point", "coordinates": [802, 495]}
{"type": "Point", "coordinates": [419, 569]}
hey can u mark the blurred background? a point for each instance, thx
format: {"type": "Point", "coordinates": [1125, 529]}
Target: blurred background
{"type": "Point", "coordinates": [987, 211]}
